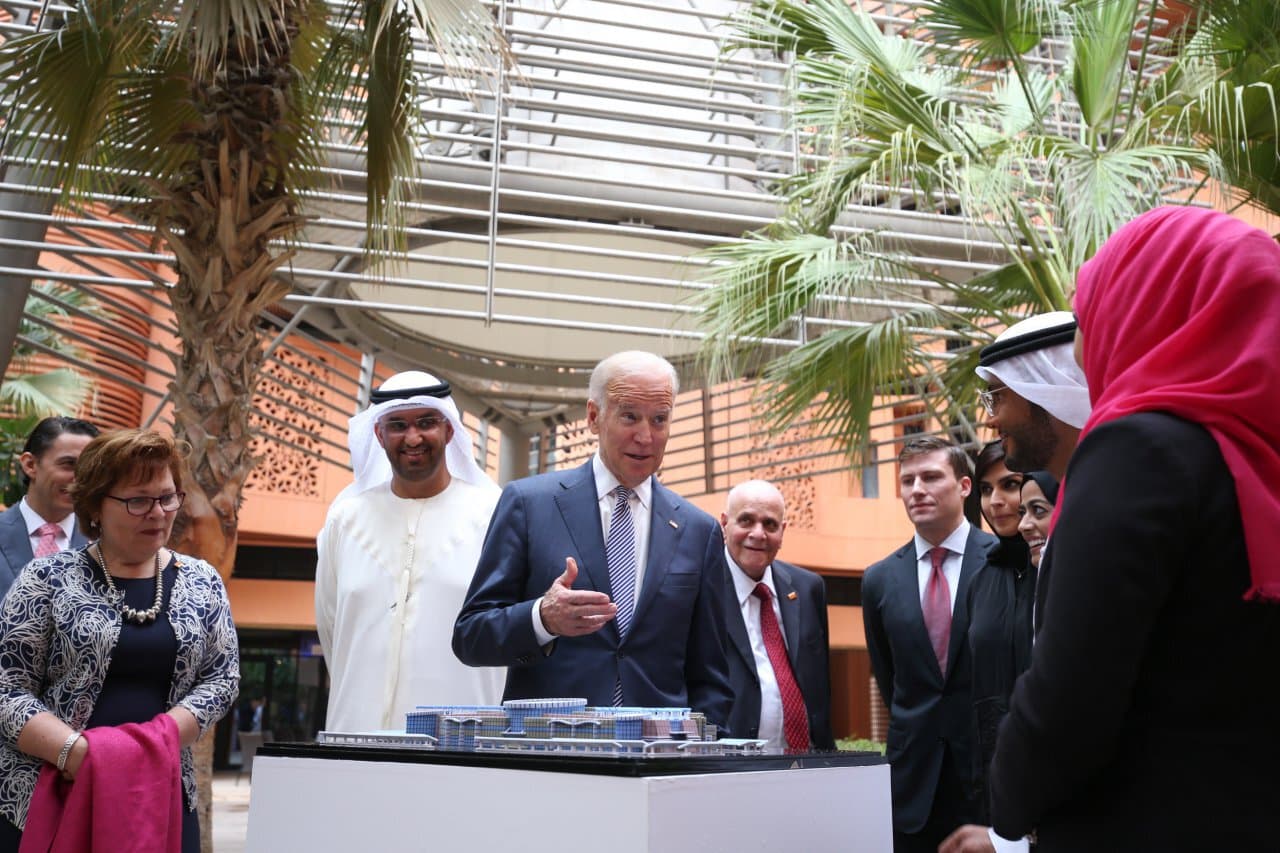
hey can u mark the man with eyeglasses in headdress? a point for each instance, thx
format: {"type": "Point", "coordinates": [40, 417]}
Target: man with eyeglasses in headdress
{"type": "Point", "coordinates": [1036, 401]}
{"type": "Point", "coordinates": [396, 555]}
{"type": "Point", "coordinates": [1036, 398]}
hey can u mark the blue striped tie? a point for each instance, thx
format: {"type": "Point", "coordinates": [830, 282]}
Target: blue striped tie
{"type": "Point", "coordinates": [620, 557]}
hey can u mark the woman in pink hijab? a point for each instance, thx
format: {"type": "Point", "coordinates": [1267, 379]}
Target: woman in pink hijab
{"type": "Point", "coordinates": [1148, 718]}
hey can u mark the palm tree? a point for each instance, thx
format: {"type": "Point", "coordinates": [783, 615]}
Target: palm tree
{"type": "Point", "coordinates": [1236, 45]}
{"type": "Point", "coordinates": [207, 114]}
{"type": "Point", "coordinates": [1033, 123]}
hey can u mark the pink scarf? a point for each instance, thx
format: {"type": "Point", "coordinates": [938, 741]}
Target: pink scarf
{"type": "Point", "coordinates": [1180, 313]}
{"type": "Point", "coordinates": [127, 797]}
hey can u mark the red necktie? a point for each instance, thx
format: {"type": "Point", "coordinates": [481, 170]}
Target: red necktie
{"type": "Point", "coordinates": [795, 719]}
{"type": "Point", "coordinates": [937, 608]}
{"type": "Point", "coordinates": [47, 543]}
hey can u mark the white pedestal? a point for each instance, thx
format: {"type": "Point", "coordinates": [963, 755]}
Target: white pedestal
{"type": "Point", "coordinates": [320, 805]}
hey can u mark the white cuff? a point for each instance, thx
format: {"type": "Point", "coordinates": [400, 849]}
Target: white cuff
{"type": "Point", "coordinates": [1004, 845]}
{"type": "Point", "coordinates": [539, 630]}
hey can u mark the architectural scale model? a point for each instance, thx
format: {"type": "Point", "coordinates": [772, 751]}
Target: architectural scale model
{"type": "Point", "coordinates": [553, 725]}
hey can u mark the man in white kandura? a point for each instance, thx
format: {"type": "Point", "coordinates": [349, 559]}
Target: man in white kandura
{"type": "Point", "coordinates": [396, 555]}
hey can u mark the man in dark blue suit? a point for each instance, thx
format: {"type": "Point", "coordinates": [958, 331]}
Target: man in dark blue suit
{"type": "Point", "coordinates": [753, 521]}
{"type": "Point", "coordinates": [48, 464]}
{"type": "Point", "coordinates": [913, 608]}
{"type": "Point", "coordinates": [599, 582]}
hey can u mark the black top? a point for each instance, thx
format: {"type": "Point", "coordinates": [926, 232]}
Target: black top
{"type": "Point", "coordinates": [1147, 720]}
{"type": "Point", "coordinates": [1000, 603]}
{"type": "Point", "coordinates": [141, 669]}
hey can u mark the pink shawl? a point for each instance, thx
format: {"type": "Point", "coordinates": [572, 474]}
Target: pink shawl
{"type": "Point", "coordinates": [127, 797]}
{"type": "Point", "coordinates": [1180, 313]}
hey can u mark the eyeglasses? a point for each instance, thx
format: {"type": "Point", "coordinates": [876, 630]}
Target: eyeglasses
{"type": "Point", "coordinates": [141, 505]}
{"type": "Point", "coordinates": [426, 423]}
{"type": "Point", "coordinates": [988, 399]}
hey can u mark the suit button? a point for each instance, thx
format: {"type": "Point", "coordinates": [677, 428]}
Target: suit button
{"type": "Point", "coordinates": [621, 655]}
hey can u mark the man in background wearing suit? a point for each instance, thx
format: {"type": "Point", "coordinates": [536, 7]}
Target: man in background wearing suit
{"type": "Point", "coordinates": [42, 523]}
{"type": "Point", "coordinates": [781, 677]}
{"type": "Point", "coordinates": [913, 608]}
{"type": "Point", "coordinates": [598, 582]}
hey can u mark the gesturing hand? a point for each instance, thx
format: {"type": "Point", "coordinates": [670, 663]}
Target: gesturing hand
{"type": "Point", "coordinates": [969, 838]}
{"type": "Point", "coordinates": [569, 612]}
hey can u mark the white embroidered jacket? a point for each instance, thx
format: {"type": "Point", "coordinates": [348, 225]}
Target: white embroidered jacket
{"type": "Point", "coordinates": [58, 628]}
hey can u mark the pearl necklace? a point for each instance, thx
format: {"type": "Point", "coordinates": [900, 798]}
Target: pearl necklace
{"type": "Point", "coordinates": [138, 617]}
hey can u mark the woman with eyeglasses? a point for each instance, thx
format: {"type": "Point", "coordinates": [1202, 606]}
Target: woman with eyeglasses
{"type": "Point", "coordinates": [116, 657]}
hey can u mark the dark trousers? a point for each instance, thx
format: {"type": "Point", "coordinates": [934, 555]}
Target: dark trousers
{"type": "Point", "coordinates": [951, 809]}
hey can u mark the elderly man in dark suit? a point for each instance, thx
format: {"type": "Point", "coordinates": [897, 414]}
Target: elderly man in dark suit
{"type": "Point", "coordinates": [913, 606]}
{"type": "Point", "coordinates": [599, 582]}
{"type": "Point", "coordinates": [42, 523]}
{"type": "Point", "coordinates": [776, 613]}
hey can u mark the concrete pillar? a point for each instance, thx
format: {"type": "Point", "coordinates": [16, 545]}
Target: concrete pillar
{"type": "Point", "coordinates": [15, 286]}
{"type": "Point", "coordinates": [513, 456]}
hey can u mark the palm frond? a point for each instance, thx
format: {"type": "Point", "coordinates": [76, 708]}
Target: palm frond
{"type": "Point", "coordinates": [462, 32]}
{"type": "Point", "coordinates": [389, 118]}
{"type": "Point", "coordinates": [993, 29]}
{"type": "Point", "coordinates": [1100, 57]}
{"type": "Point", "coordinates": [833, 381]}
{"type": "Point", "coordinates": [40, 395]}
{"type": "Point", "coordinates": [214, 29]}
{"type": "Point", "coordinates": [62, 126]}
{"type": "Point", "coordinates": [1043, 161]}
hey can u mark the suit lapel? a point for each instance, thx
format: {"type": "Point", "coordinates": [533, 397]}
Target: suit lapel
{"type": "Point", "coordinates": [665, 529]}
{"type": "Point", "coordinates": [789, 604]}
{"type": "Point", "coordinates": [736, 627]}
{"type": "Point", "coordinates": [14, 541]}
{"type": "Point", "coordinates": [975, 557]}
{"type": "Point", "coordinates": [580, 508]}
{"type": "Point", "coordinates": [908, 581]}
{"type": "Point", "coordinates": [78, 539]}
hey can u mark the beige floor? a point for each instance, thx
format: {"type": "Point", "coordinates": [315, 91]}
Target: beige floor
{"type": "Point", "coordinates": [230, 812]}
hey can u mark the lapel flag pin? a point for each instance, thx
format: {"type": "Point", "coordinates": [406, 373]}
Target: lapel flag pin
{"type": "Point", "coordinates": [673, 524]}
{"type": "Point", "coordinates": [791, 596]}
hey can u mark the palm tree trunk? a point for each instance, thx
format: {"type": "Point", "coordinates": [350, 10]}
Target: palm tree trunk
{"type": "Point", "coordinates": [220, 222]}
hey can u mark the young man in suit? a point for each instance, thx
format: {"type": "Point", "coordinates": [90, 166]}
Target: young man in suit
{"type": "Point", "coordinates": [780, 675]}
{"type": "Point", "coordinates": [599, 582]}
{"type": "Point", "coordinates": [913, 607]}
{"type": "Point", "coordinates": [42, 523]}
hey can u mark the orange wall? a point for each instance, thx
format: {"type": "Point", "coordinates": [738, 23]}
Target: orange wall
{"type": "Point", "coordinates": [272, 604]}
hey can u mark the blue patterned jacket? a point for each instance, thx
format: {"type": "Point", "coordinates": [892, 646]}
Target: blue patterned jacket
{"type": "Point", "coordinates": [58, 628]}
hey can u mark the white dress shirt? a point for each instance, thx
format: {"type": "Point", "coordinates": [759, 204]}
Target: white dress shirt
{"type": "Point", "coordinates": [35, 522]}
{"type": "Point", "coordinates": [641, 513]}
{"type": "Point", "coordinates": [770, 696]}
{"type": "Point", "coordinates": [954, 543]}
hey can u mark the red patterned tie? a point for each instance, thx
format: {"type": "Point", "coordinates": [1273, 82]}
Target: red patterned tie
{"type": "Point", "coordinates": [47, 543]}
{"type": "Point", "coordinates": [795, 719]}
{"type": "Point", "coordinates": [937, 608]}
